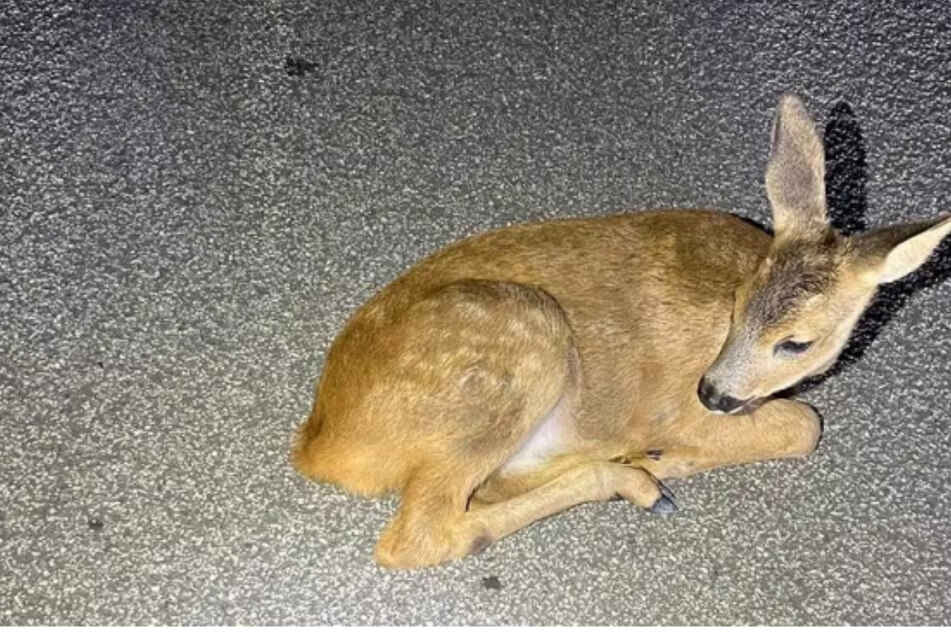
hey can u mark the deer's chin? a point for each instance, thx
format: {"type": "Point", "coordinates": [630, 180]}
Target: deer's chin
{"type": "Point", "coordinates": [751, 406]}
{"type": "Point", "coordinates": [745, 409]}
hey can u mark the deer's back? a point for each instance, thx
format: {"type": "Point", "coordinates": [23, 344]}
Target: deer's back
{"type": "Point", "coordinates": [648, 296]}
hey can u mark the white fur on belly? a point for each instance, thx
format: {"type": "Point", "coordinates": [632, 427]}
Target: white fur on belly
{"type": "Point", "coordinates": [549, 437]}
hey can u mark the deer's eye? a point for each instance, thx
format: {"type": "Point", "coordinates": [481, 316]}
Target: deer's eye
{"type": "Point", "coordinates": [791, 347]}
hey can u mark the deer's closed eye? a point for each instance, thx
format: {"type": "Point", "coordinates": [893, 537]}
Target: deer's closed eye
{"type": "Point", "coordinates": [791, 347]}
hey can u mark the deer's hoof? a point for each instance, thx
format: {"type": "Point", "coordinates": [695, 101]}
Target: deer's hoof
{"type": "Point", "coordinates": [665, 504]}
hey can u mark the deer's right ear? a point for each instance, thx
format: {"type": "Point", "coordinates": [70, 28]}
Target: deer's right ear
{"type": "Point", "coordinates": [890, 253]}
{"type": "Point", "coordinates": [795, 176]}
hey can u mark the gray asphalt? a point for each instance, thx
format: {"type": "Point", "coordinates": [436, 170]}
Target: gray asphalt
{"type": "Point", "coordinates": [194, 196]}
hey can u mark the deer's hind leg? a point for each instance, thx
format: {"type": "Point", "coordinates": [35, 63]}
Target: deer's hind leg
{"type": "Point", "coordinates": [479, 364]}
{"type": "Point", "coordinates": [434, 526]}
{"type": "Point", "coordinates": [484, 363]}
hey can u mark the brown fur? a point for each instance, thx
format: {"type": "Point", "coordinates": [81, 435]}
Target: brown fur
{"type": "Point", "coordinates": [606, 324]}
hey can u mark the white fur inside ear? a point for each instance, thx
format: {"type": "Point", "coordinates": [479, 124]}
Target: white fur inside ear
{"type": "Point", "coordinates": [913, 252]}
{"type": "Point", "coordinates": [795, 175]}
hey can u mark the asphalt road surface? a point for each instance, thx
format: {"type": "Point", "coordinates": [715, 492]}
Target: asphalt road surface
{"type": "Point", "coordinates": [195, 196]}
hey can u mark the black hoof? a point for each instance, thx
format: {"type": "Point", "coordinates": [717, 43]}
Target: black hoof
{"type": "Point", "coordinates": [664, 506]}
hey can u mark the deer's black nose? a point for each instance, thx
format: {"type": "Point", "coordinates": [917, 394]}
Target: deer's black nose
{"type": "Point", "coordinates": [714, 401]}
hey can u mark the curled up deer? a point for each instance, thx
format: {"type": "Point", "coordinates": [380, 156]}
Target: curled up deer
{"type": "Point", "coordinates": [523, 371]}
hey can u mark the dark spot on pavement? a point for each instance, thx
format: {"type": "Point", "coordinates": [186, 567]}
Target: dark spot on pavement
{"type": "Point", "coordinates": [297, 67]}
{"type": "Point", "coordinates": [95, 524]}
{"type": "Point", "coordinates": [491, 583]}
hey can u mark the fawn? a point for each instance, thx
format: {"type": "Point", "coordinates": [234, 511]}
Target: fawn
{"type": "Point", "coordinates": [526, 370]}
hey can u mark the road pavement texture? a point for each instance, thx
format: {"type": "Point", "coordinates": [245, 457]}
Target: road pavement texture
{"type": "Point", "coordinates": [195, 196]}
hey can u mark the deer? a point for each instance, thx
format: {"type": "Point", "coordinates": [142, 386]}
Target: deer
{"type": "Point", "coordinates": [523, 371]}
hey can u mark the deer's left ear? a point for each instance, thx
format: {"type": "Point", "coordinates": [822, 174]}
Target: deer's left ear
{"type": "Point", "coordinates": [890, 253]}
{"type": "Point", "coordinates": [795, 176]}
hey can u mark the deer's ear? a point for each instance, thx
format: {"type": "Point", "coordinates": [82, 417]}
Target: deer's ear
{"type": "Point", "coordinates": [890, 253]}
{"type": "Point", "coordinates": [795, 176]}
